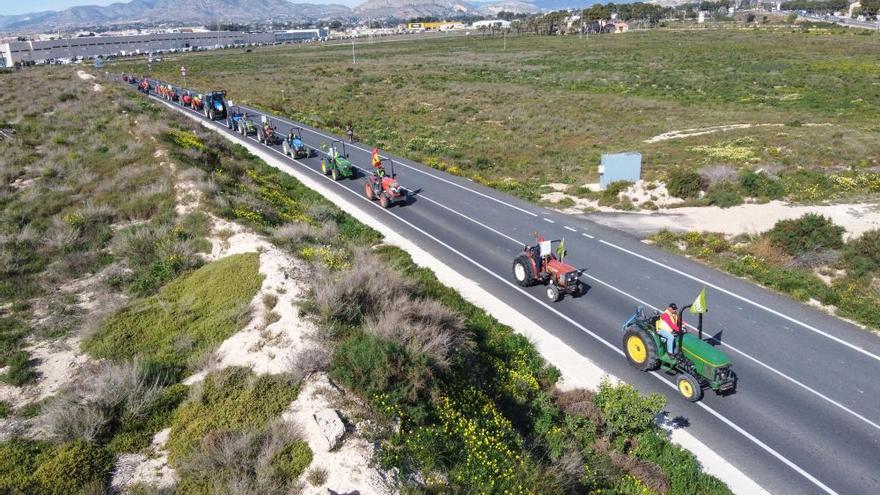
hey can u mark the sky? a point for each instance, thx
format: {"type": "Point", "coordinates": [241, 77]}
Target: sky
{"type": "Point", "coordinates": [12, 7]}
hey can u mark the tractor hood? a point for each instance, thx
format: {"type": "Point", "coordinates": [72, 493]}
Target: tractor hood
{"type": "Point", "coordinates": [559, 266]}
{"type": "Point", "coordinates": [700, 350]}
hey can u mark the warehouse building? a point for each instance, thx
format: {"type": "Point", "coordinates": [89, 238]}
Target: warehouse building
{"type": "Point", "coordinates": [317, 34]}
{"type": "Point", "coordinates": [15, 52]}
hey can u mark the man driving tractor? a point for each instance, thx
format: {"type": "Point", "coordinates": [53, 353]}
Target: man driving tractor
{"type": "Point", "coordinates": [667, 326]}
{"type": "Point", "coordinates": [377, 162]}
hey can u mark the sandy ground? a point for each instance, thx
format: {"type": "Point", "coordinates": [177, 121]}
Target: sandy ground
{"type": "Point", "coordinates": [576, 370]}
{"type": "Point", "coordinates": [742, 219]}
{"type": "Point", "coordinates": [348, 466]}
{"type": "Point", "coordinates": [701, 131]}
{"type": "Point", "coordinates": [85, 76]}
{"type": "Point", "coordinates": [138, 468]}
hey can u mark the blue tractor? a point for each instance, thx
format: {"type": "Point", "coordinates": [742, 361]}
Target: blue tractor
{"type": "Point", "coordinates": [214, 105]}
{"type": "Point", "coordinates": [293, 145]}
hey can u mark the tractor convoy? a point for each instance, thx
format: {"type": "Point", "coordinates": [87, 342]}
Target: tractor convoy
{"type": "Point", "coordinates": [695, 363]}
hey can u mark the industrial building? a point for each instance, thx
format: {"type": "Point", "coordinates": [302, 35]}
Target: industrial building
{"type": "Point", "coordinates": [16, 52]}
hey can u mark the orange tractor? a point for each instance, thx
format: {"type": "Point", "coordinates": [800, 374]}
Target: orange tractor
{"type": "Point", "coordinates": [543, 264]}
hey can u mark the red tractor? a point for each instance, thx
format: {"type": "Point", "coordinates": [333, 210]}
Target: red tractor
{"type": "Point", "coordinates": [384, 187]}
{"type": "Point", "coordinates": [543, 264]}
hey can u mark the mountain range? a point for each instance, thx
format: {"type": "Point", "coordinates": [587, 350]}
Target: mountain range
{"type": "Point", "coordinates": [243, 11]}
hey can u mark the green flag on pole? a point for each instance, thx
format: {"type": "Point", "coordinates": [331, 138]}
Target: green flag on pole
{"type": "Point", "coordinates": [560, 250]}
{"type": "Point", "coordinates": [699, 305]}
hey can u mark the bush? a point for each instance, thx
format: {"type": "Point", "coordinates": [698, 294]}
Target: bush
{"type": "Point", "coordinates": [187, 317]}
{"type": "Point", "coordinates": [760, 185]}
{"type": "Point", "coordinates": [20, 370]}
{"type": "Point", "coordinates": [120, 404]}
{"type": "Point", "coordinates": [861, 256]}
{"type": "Point", "coordinates": [375, 368]}
{"type": "Point", "coordinates": [231, 399]}
{"type": "Point", "coordinates": [72, 467]}
{"type": "Point", "coordinates": [423, 326]}
{"type": "Point", "coordinates": [683, 183]}
{"type": "Point", "coordinates": [609, 196]}
{"type": "Point", "coordinates": [267, 461]}
{"type": "Point", "coordinates": [626, 412]}
{"type": "Point", "coordinates": [724, 195]}
{"type": "Point", "coordinates": [317, 476]}
{"type": "Point", "coordinates": [5, 409]}
{"type": "Point", "coordinates": [810, 232]}
{"type": "Point", "coordinates": [19, 459]}
{"type": "Point", "coordinates": [680, 468]}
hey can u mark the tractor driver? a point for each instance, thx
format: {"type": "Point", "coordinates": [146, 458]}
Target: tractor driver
{"type": "Point", "coordinates": [377, 162]}
{"type": "Point", "coordinates": [667, 326]}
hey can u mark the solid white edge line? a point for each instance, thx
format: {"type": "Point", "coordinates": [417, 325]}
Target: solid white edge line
{"type": "Point", "coordinates": [315, 131]}
{"type": "Point", "coordinates": [747, 300]}
{"type": "Point", "coordinates": [601, 340]}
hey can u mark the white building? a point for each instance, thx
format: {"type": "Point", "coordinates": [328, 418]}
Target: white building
{"type": "Point", "coordinates": [494, 23]}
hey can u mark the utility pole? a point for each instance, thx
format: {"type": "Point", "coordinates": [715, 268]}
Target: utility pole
{"type": "Point", "coordinates": [353, 58]}
{"type": "Point", "coordinates": [505, 40]}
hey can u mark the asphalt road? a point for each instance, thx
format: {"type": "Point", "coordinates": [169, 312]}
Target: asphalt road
{"type": "Point", "coordinates": [806, 415]}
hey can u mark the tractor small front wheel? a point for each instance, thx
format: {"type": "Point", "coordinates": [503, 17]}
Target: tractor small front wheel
{"type": "Point", "coordinates": [383, 200]}
{"type": "Point", "coordinates": [689, 387]}
{"type": "Point", "coordinates": [553, 292]}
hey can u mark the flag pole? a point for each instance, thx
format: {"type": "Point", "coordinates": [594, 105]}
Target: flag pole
{"type": "Point", "coordinates": [700, 326]}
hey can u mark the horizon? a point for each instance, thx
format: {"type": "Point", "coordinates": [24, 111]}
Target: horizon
{"type": "Point", "coordinates": [10, 7]}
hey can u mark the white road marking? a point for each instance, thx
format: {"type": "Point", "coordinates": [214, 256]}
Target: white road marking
{"type": "Point", "coordinates": [566, 227]}
{"type": "Point", "coordinates": [547, 220]}
{"type": "Point", "coordinates": [747, 300]}
{"type": "Point", "coordinates": [443, 179]}
{"type": "Point", "coordinates": [601, 340]}
{"type": "Point", "coordinates": [587, 235]}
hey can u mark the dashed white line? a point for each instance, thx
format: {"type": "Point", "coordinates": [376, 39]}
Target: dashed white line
{"type": "Point", "coordinates": [566, 227]}
{"type": "Point", "coordinates": [548, 220]}
{"type": "Point", "coordinates": [587, 235]}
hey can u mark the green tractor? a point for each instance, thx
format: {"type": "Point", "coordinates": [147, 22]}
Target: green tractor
{"type": "Point", "coordinates": [696, 364]}
{"type": "Point", "coordinates": [336, 164]}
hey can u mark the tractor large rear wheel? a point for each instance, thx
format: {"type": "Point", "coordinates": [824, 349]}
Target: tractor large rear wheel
{"type": "Point", "coordinates": [334, 174]}
{"type": "Point", "coordinates": [640, 349]}
{"type": "Point", "coordinates": [522, 271]}
{"type": "Point", "coordinates": [211, 114]}
{"type": "Point", "coordinates": [368, 191]}
{"type": "Point", "coordinates": [689, 387]}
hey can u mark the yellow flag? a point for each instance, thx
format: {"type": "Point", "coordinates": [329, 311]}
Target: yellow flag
{"type": "Point", "coordinates": [699, 305]}
{"type": "Point", "coordinates": [560, 250]}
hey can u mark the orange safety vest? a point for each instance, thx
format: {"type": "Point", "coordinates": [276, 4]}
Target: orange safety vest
{"type": "Point", "coordinates": [377, 162]}
{"type": "Point", "coordinates": [668, 321]}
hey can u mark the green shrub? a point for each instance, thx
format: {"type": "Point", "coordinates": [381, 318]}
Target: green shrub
{"type": "Point", "coordinates": [627, 412]}
{"type": "Point", "coordinates": [380, 370]}
{"type": "Point", "coordinates": [5, 409]}
{"type": "Point", "coordinates": [187, 317]}
{"type": "Point", "coordinates": [19, 459]}
{"type": "Point", "coordinates": [680, 467]}
{"type": "Point", "coordinates": [724, 195]}
{"type": "Point", "coordinates": [810, 232]}
{"type": "Point", "coordinates": [609, 196]}
{"type": "Point", "coordinates": [231, 399]}
{"type": "Point", "coordinates": [861, 256]}
{"type": "Point", "coordinates": [289, 463]}
{"type": "Point", "coordinates": [760, 185]}
{"type": "Point", "coordinates": [72, 467]}
{"type": "Point", "coordinates": [682, 183]}
{"type": "Point", "coordinates": [20, 371]}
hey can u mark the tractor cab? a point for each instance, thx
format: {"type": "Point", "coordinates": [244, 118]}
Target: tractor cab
{"type": "Point", "coordinates": [697, 364]}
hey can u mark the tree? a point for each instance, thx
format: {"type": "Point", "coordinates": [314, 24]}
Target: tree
{"type": "Point", "coordinates": [750, 18]}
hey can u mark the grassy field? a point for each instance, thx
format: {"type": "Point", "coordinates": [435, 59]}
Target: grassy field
{"type": "Point", "coordinates": [545, 108]}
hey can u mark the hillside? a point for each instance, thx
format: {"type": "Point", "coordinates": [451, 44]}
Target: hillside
{"type": "Point", "coordinates": [177, 11]}
{"type": "Point", "coordinates": [404, 9]}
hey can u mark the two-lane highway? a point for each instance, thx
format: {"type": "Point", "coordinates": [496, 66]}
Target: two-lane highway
{"type": "Point", "coordinates": [806, 415]}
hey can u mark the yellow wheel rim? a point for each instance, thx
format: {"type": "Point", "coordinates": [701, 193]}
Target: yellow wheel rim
{"type": "Point", "coordinates": [685, 388]}
{"type": "Point", "coordinates": [636, 349]}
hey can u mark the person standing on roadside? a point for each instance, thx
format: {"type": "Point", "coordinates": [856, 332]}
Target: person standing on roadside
{"type": "Point", "coordinates": [349, 131]}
